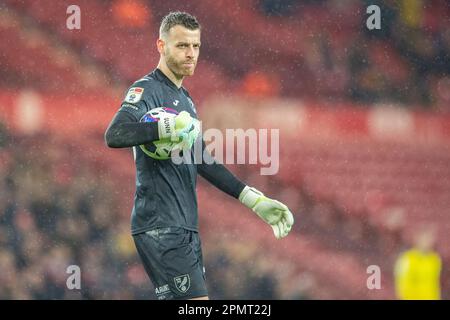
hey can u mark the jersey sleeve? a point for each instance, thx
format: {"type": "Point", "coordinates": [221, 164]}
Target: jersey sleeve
{"type": "Point", "coordinates": [218, 175]}
{"type": "Point", "coordinates": [137, 100]}
{"type": "Point", "coordinates": [126, 130]}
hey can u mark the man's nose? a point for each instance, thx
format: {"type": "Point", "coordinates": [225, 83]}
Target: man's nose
{"type": "Point", "coordinates": [190, 52]}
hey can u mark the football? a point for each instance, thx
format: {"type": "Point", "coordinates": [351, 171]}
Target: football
{"type": "Point", "coordinates": [159, 149]}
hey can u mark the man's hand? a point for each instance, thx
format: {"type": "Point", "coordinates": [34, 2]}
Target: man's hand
{"type": "Point", "coordinates": [190, 137]}
{"type": "Point", "coordinates": [175, 128]}
{"type": "Point", "coordinates": [276, 214]}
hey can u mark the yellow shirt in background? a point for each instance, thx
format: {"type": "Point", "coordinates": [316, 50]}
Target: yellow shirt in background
{"type": "Point", "coordinates": [417, 275]}
{"type": "Point", "coordinates": [411, 12]}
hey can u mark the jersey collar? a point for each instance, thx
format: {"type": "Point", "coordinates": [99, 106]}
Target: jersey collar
{"type": "Point", "coordinates": [162, 77]}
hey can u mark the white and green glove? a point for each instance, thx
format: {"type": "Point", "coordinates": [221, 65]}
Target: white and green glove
{"type": "Point", "coordinates": [276, 214]}
{"type": "Point", "coordinates": [192, 135]}
{"type": "Point", "coordinates": [175, 128]}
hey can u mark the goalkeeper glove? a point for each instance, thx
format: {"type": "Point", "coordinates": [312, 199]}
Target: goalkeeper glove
{"type": "Point", "coordinates": [276, 214]}
{"type": "Point", "coordinates": [192, 135]}
{"type": "Point", "coordinates": [175, 128]}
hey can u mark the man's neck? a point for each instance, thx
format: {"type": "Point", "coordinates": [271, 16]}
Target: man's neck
{"type": "Point", "coordinates": [169, 74]}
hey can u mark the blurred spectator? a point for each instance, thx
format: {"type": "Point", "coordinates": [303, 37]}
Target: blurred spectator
{"type": "Point", "coordinates": [411, 12]}
{"type": "Point", "coordinates": [417, 271]}
{"type": "Point", "coordinates": [442, 94]}
{"type": "Point", "coordinates": [261, 84]}
{"type": "Point", "coordinates": [4, 137]}
{"type": "Point", "coordinates": [239, 271]}
{"type": "Point", "coordinates": [131, 13]}
{"type": "Point", "coordinates": [277, 7]}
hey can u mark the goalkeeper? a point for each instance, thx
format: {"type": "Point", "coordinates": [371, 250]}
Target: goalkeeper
{"type": "Point", "coordinates": [164, 219]}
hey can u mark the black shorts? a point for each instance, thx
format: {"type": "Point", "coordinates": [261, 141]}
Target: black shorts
{"type": "Point", "coordinates": [172, 258]}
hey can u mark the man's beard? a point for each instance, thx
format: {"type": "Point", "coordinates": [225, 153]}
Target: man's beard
{"type": "Point", "coordinates": [177, 67]}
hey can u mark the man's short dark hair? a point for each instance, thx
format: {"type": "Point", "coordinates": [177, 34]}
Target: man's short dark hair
{"type": "Point", "coordinates": [178, 18]}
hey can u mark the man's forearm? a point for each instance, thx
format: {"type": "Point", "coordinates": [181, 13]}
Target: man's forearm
{"type": "Point", "coordinates": [218, 175]}
{"type": "Point", "coordinates": [124, 132]}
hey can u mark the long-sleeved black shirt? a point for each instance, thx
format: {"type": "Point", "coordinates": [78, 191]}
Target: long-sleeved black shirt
{"type": "Point", "coordinates": [165, 192]}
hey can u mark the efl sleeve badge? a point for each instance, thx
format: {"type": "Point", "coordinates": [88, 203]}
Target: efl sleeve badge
{"type": "Point", "coordinates": [134, 95]}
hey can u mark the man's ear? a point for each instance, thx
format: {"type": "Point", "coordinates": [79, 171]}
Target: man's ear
{"type": "Point", "coordinates": [160, 45]}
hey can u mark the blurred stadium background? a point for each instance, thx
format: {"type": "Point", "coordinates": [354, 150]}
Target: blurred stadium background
{"type": "Point", "coordinates": [364, 119]}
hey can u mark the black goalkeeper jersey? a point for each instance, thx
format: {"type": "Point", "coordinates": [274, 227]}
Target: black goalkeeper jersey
{"type": "Point", "coordinates": [165, 192]}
